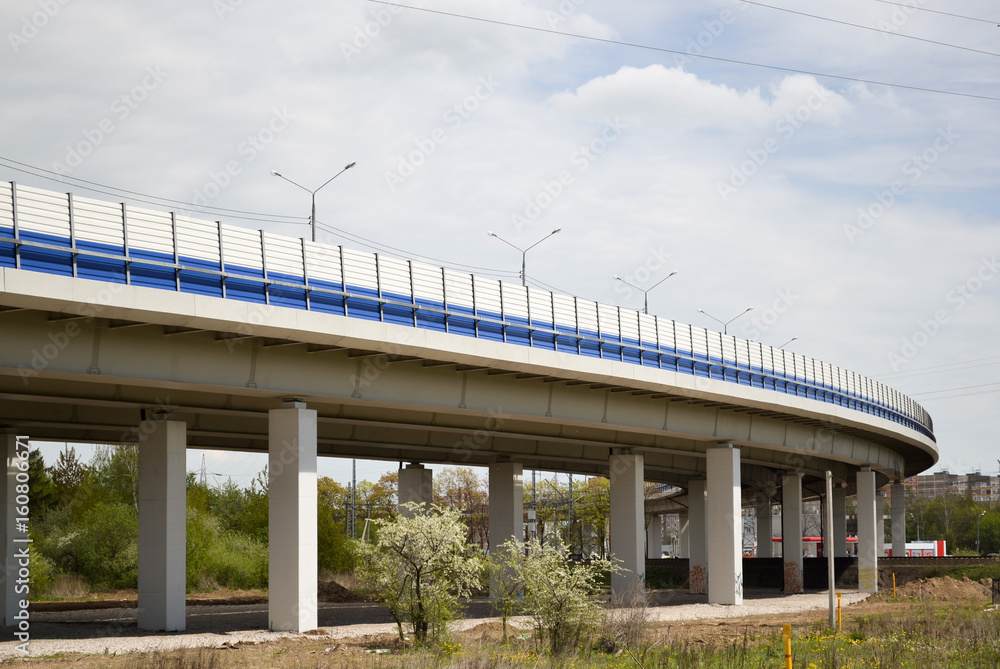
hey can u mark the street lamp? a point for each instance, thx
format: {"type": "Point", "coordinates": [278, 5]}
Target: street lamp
{"type": "Point", "coordinates": [312, 217]}
{"type": "Point", "coordinates": [725, 324]}
{"type": "Point", "coordinates": [524, 252]}
{"type": "Point", "coordinates": [788, 342]}
{"type": "Point", "coordinates": [645, 293]}
{"type": "Point", "coordinates": [978, 521]}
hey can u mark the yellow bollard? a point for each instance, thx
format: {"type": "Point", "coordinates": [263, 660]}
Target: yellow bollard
{"type": "Point", "coordinates": [894, 585]}
{"type": "Point", "coordinates": [787, 631]}
{"type": "Point", "coordinates": [838, 612]}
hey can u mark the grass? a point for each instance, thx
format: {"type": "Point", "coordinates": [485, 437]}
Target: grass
{"type": "Point", "coordinates": [923, 635]}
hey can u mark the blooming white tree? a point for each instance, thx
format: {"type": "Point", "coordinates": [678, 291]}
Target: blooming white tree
{"type": "Point", "coordinates": [420, 566]}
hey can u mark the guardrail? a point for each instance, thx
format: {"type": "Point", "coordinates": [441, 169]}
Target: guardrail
{"type": "Point", "coordinates": [61, 234]}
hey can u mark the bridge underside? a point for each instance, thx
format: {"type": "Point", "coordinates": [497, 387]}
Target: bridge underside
{"type": "Point", "coordinates": [257, 378]}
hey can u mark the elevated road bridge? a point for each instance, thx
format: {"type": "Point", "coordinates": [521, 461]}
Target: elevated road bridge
{"type": "Point", "coordinates": [128, 325]}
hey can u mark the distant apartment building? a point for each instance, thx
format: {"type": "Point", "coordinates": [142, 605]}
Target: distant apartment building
{"type": "Point", "coordinates": [982, 487]}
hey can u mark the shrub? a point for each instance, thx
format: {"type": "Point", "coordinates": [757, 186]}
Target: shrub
{"type": "Point", "coordinates": [561, 596]}
{"type": "Point", "coordinates": [419, 567]}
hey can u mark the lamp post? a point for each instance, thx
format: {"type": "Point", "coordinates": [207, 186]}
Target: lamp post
{"type": "Point", "coordinates": [978, 521]}
{"type": "Point", "coordinates": [788, 342]}
{"type": "Point", "coordinates": [725, 324]}
{"type": "Point", "coordinates": [524, 252]}
{"type": "Point", "coordinates": [645, 293]}
{"type": "Point", "coordinates": [312, 216]}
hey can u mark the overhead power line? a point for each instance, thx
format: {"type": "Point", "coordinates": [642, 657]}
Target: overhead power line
{"type": "Point", "coordinates": [154, 200]}
{"type": "Point", "coordinates": [935, 11]}
{"type": "Point", "coordinates": [720, 59]}
{"type": "Point", "coordinates": [877, 30]}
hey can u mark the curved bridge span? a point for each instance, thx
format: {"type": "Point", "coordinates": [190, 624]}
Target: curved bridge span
{"type": "Point", "coordinates": [123, 325]}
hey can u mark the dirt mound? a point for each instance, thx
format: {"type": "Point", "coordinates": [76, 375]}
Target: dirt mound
{"type": "Point", "coordinates": [334, 593]}
{"type": "Point", "coordinates": [943, 589]}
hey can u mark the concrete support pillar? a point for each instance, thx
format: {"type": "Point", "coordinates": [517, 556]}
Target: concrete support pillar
{"type": "Point", "coordinates": [765, 531]}
{"type": "Point", "coordinates": [880, 524]}
{"type": "Point", "coordinates": [898, 520]}
{"type": "Point", "coordinates": [626, 520]}
{"type": "Point", "coordinates": [839, 521]}
{"type": "Point", "coordinates": [725, 526]}
{"type": "Point", "coordinates": [14, 541]}
{"type": "Point", "coordinates": [506, 511]}
{"type": "Point", "coordinates": [791, 531]}
{"type": "Point", "coordinates": [163, 527]}
{"type": "Point", "coordinates": [867, 532]}
{"type": "Point", "coordinates": [654, 537]}
{"type": "Point", "coordinates": [416, 484]}
{"type": "Point", "coordinates": [292, 525]}
{"type": "Point", "coordinates": [697, 542]}
{"type": "Point", "coordinates": [683, 550]}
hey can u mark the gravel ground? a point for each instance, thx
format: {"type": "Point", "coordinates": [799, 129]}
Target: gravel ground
{"type": "Point", "coordinates": [114, 631]}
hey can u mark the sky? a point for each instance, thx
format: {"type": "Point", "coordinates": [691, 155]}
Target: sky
{"type": "Point", "coordinates": [833, 165]}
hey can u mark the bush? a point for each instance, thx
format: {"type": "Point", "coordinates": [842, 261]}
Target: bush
{"type": "Point", "coordinates": [225, 559]}
{"type": "Point", "coordinates": [561, 596]}
{"type": "Point", "coordinates": [419, 567]}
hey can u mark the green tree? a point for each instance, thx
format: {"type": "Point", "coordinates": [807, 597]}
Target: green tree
{"type": "Point", "coordinates": [420, 566]}
{"type": "Point", "coordinates": [68, 475]}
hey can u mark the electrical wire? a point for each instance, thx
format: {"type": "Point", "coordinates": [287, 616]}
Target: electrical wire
{"type": "Point", "coordinates": [948, 390]}
{"type": "Point", "coordinates": [940, 369]}
{"type": "Point", "coordinates": [935, 11]}
{"type": "Point", "coordinates": [647, 47]}
{"type": "Point", "coordinates": [878, 30]}
{"type": "Point", "coordinates": [409, 254]}
{"type": "Point", "coordinates": [153, 200]}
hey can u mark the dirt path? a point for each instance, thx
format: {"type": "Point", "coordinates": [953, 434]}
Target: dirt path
{"type": "Point", "coordinates": [113, 630]}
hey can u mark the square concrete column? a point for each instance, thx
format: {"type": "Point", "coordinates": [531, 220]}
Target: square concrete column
{"type": "Point", "coordinates": [654, 537]}
{"type": "Point", "coordinates": [506, 494]}
{"type": "Point", "coordinates": [765, 530]}
{"type": "Point", "coordinates": [898, 520]}
{"type": "Point", "coordinates": [627, 514]}
{"type": "Point", "coordinates": [14, 541]}
{"type": "Point", "coordinates": [725, 526]}
{"type": "Point", "coordinates": [840, 521]}
{"type": "Point", "coordinates": [697, 541]}
{"type": "Point", "coordinates": [163, 527]}
{"type": "Point", "coordinates": [416, 484]}
{"type": "Point", "coordinates": [867, 532]}
{"type": "Point", "coordinates": [880, 522]}
{"type": "Point", "coordinates": [292, 525]}
{"type": "Point", "coordinates": [682, 550]}
{"type": "Point", "coordinates": [791, 531]}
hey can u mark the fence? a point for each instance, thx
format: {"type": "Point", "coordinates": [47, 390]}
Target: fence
{"type": "Point", "coordinates": [61, 234]}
